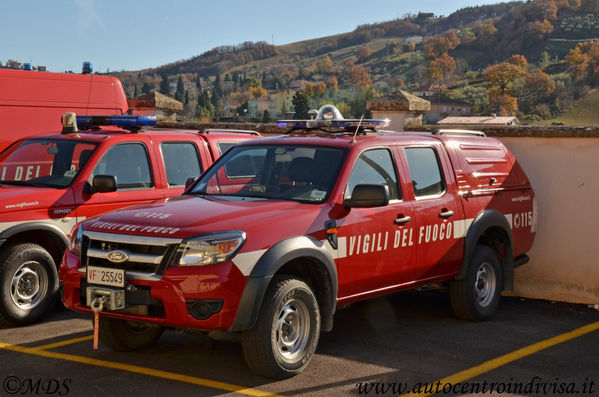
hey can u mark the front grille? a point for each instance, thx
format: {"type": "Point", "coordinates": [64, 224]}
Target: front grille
{"type": "Point", "coordinates": [145, 254]}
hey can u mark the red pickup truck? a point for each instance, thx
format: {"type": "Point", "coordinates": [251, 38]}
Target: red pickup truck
{"type": "Point", "coordinates": [280, 231]}
{"type": "Point", "coordinates": [49, 183]}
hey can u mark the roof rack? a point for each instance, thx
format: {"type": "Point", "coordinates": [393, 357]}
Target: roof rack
{"type": "Point", "coordinates": [458, 132]}
{"type": "Point", "coordinates": [209, 130]}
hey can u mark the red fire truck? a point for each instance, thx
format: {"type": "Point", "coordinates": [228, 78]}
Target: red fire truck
{"type": "Point", "coordinates": [49, 183]}
{"type": "Point", "coordinates": [280, 231]}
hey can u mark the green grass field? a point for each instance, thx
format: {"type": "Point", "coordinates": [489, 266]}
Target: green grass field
{"type": "Point", "coordinates": [584, 113]}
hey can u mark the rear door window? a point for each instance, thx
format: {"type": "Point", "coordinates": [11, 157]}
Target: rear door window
{"type": "Point", "coordinates": [425, 171]}
{"type": "Point", "coordinates": [181, 161]}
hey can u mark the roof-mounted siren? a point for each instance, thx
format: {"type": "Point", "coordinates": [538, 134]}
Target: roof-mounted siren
{"type": "Point", "coordinates": [131, 123]}
{"type": "Point", "coordinates": [330, 117]}
{"type": "Point", "coordinates": [312, 113]}
{"type": "Point", "coordinates": [69, 123]}
{"type": "Point", "coordinates": [87, 68]}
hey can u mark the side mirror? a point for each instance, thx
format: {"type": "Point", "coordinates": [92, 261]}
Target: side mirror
{"type": "Point", "coordinates": [367, 196]}
{"type": "Point", "coordinates": [190, 181]}
{"type": "Point", "coordinates": [104, 184]}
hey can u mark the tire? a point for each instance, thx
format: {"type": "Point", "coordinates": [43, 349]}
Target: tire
{"type": "Point", "coordinates": [477, 297]}
{"type": "Point", "coordinates": [29, 282]}
{"type": "Point", "coordinates": [124, 335]}
{"type": "Point", "coordinates": [286, 333]}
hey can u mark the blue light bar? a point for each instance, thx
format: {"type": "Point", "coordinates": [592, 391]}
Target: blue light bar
{"type": "Point", "coordinates": [86, 122]}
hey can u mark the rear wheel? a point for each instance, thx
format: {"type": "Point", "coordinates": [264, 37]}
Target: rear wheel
{"type": "Point", "coordinates": [476, 297]}
{"type": "Point", "coordinates": [124, 335]}
{"type": "Point", "coordinates": [286, 333]}
{"type": "Point", "coordinates": [29, 282]}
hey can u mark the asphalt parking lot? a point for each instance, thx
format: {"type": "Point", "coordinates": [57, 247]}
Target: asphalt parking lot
{"type": "Point", "coordinates": [387, 346]}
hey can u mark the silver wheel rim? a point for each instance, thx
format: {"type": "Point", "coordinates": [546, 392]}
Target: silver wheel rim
{"type": "Point", "coordinates": [292, 330]}
{"type": "Point", "coordinates": [29, 285]}
{"type": "Point", "coordinates": [485, 284]}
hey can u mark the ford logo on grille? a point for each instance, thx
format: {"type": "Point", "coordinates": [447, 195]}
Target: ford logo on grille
{"type": "Point", "coordinates": [117, 256]}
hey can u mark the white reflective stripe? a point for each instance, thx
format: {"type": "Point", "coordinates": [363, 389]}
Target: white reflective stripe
{"type": "Point", "coordinates": [341, 251]}
{"type": "Point", "coordinates": [246, 261]}
{"type": "Point", "coordinates": [64, 224]}
{"type": "Point", "coordinates": [509, 220]}
{"type": "Point", "coordinates": [460, 227]}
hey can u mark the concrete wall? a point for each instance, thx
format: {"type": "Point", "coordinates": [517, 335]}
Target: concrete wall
{"type": "Point", "coordinates": [564, 261]}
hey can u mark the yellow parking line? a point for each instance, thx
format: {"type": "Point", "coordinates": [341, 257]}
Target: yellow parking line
{"type": "Point", "coordinates": [508, 358]}
{"type": "Point", "coordinates": [63, 343]}
{"type": "Point", "coordinates": [138, 370]}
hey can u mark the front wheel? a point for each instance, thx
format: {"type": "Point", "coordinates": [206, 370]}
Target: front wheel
{"type": "Point", "coordinates": [125, 335]}
{"type": "Point", "coordinates": [286, 333]}
{"type": "Point", "coordinates": [476, 297]}
{"type": "Point", "coordinates": [29, 282]}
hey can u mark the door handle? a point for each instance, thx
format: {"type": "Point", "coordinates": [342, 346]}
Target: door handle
{"type": "Point", "coordinates": [401, 221]}
{"type": "Point", "coordinates": [445, 214]}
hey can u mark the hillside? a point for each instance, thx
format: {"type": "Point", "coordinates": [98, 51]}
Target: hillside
{"type": "Point", "coordinates": [583, 113]}
{"type": "Point", "coordinates": [417, 50]}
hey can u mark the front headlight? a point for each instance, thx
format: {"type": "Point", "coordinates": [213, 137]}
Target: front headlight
{"type": "Point", "coordinates": [212, 248]}
{"type": "Point", "coordinates": [75, 243]}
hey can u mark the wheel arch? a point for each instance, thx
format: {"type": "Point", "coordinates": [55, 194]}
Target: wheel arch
{"type": "Point", "coordinates": [50, 237]}
{"type": "Point", "coordinates": [491, 228]}
{"type": "Point", "coordinates": [301, 256]}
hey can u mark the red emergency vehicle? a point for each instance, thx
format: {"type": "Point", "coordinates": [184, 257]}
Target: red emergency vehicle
{"type": "Point", "coordinates": [281, 230]}
{"type": "Point", "coordinates": [31, 103]}
{"type": "Point", "coordinates": [49, 183]}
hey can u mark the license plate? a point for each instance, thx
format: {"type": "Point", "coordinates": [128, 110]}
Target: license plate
{"type": "Point", "coordinates": [106, 276]}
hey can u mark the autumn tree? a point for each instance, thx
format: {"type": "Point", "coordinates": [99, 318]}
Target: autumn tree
{"type": "Point", "coordinates": [519, 60]}
{"type": "Point", "coordinates": [503, 75]}
{"type": "Point", "coordinates": [324, 66]}
{"type": "Point", "coordinates": [536, 87]}
{"type": "Point", "coordinates": [505, 104]}
{"type": "Point", "coordinates": [363, 52]}
{"type": "Point", "coordinates": [315, 90]}
{"type": "Point", "coordinates": [358, 76]}
{"type": "Point", "coordinates": [332, 84]}
{"type": "Point", "coordinates": [441, 68]}
{"type": "Point", "coordinates": [585, 57]}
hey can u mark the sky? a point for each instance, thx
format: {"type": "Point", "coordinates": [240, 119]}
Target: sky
{"type": "Point", "coordinates": [117, 35]}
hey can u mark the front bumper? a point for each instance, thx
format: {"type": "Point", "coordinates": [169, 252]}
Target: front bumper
{"type": "Point", "coordinates": [199, 297]}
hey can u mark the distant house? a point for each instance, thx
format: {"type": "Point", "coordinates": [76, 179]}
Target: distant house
{"type": "Point", "coordinates": [428, 90]}
{"type": "Point", "coordinates": [401, 108]}
{"type": "Point", "coordinates": [156, 104]}
{"type": "Point", "coordinates": [415, 39]}
{"type": "Point", "coordinates": [280, 98]}
{"type": "Point", "coordinates": [442, 107]}
{"type": "Point", "coordinates": [480, 121]}
{"type": "Point", "coordinates": [272, 102]}
{"type": "Point", "coordinates": [257, 106]}
{"type": "Point", "coordinates": [298, 84]}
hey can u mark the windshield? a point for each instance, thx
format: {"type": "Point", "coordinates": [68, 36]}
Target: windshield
{"type": "Point", "coordinates": [286, 172]}
{"type": "Point", "coordinates": [44, 162]}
